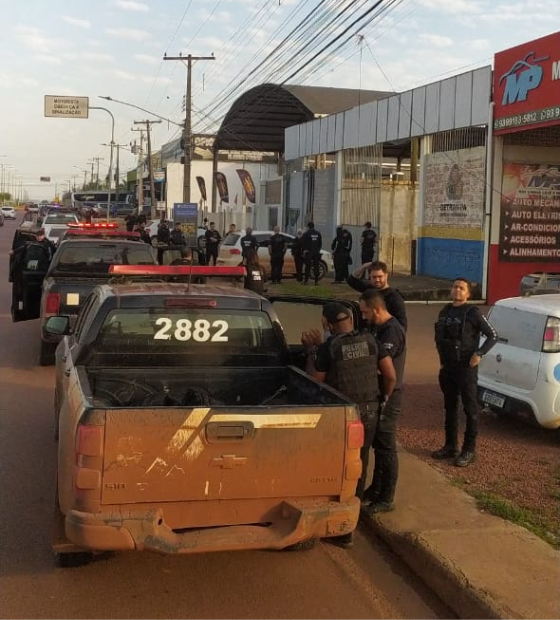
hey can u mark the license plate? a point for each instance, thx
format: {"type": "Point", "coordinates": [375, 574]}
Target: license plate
{"type": "Point", "coordinates": [493, 399]}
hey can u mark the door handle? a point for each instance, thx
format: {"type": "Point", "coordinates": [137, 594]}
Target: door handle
{"type": "Point", "coordinates": [229, 431]}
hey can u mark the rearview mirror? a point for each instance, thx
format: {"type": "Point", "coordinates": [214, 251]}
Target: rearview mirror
{"type": "Point", "coordinates": [58, 325]}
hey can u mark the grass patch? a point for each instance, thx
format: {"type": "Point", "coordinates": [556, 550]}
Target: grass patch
{"type": "Point", "coordinates": [500, 507]}
{"type": "Point", "coordinates": [309, 290]}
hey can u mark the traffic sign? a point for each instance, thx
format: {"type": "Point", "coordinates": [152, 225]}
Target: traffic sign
{"type": "Point", "coordinates": [66, 107]}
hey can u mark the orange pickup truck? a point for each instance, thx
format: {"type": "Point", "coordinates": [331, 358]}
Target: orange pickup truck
{"type": "Point", "coordinates": [184, 426]}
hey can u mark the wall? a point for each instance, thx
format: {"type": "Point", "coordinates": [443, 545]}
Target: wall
{"type": "Point", "coordinates": [534, 147]}
{"type": "Point", "coordinates": [397, 226]}
{"type": "Point", "coordinates": [450, 238]}
{"type": "Point", "coordinates": [259, 172]}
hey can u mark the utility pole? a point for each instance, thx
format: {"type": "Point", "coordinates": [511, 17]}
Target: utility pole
{"type": "Point", "coordinates": [117, 167]}
{"type": "Point", "coordinates": [187, 135]}
{"type": "Point", "coordinates": [139, 150]}
{"type": "Point", "coordinates": [153, 203]}
{"type": "Point", "coordinates": [91, 175]}
{"type": "Point", "coordinates": [96, 159]}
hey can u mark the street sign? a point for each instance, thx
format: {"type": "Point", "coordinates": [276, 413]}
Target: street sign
{"type": "Point", "coordinates": [159, 175]}
{"type": "Point", "coordinates": [45, 179]}
{"type": "Point", "coordinates": [66, 107]}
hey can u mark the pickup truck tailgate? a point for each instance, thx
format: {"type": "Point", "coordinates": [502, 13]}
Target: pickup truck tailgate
{"type": "Point", "coordinates": [181, 454]}
{"type": "Point", "coordinates": [73, 292]}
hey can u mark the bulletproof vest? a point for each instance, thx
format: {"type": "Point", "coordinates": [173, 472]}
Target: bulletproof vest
{"type": "Point", "coordinates": [449, 332]}
{"type": "Point", "coordinates": [248, 242]}
{"type": "Point", "coordinates": [353, 367]}
{"type": "Point", "coordinates": [369, 238]}
{"type": "Point", "coordinates": [277, 244]}
{"type": "Point", "coordinates": [176, 237]}
{"type": "Point", "coordinates": [254, 280]}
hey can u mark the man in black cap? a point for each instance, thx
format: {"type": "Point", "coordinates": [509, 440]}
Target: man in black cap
{"type": "Point", "coordinates": [352, 363]}
{"type": "Point", "coordinates": [368, 241]}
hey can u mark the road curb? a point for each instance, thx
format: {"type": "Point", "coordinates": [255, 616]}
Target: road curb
{"type": "Point", "coordinates": [438, 573]}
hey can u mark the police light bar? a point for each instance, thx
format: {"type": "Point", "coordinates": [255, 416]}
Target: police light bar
{"type": "Point", "coordinates": [108, 232]}
{"type": "Point", "coordinates": [176, 270]}
{"type": "Point", "coordinates": [96, 226]}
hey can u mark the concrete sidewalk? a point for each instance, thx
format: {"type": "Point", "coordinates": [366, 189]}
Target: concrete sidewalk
{"type": "Point", "coordinates": [480, 565]}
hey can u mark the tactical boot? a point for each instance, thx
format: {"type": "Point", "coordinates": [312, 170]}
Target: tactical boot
{"type": "Point", "coordinates": [465, 458]}
{"type": "Point", "coordinates": [447, 452]}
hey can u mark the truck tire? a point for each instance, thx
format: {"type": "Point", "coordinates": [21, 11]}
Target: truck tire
{"type": "Point", "coordinates": [304, 545]}
{"type": "Point", "coordinates": [46, 353]}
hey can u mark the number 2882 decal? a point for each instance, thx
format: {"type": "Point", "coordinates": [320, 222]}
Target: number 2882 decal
{"type": "Point", "coordinates": [199, 331]}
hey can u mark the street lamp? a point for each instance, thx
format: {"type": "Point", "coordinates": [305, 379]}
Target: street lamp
{"type": "Point", "coordinates": [111, 156]}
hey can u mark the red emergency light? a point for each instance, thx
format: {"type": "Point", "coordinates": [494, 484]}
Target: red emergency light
{"type": "Point", "coordinates": [108, 232]}
{"type": "Point", "coordinates": [96, 226]}
{"type": "Point", "coordinates": [176, 270]}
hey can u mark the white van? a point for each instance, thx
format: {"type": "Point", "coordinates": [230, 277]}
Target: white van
{"type": "Point", "coordinates": [521, 373]}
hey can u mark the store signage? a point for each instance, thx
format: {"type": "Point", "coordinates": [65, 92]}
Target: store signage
{"type": "Point", "coordinates": [527, 85]}
{"type": "Point", "coordinates": [530, 213]}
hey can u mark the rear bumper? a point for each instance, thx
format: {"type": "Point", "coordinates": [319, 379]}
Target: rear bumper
{"type": "Point", "coordinates": [295, 522]}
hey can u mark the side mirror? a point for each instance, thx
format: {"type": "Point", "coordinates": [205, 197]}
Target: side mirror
{"type": "Point", "coordinates": [58, 325]}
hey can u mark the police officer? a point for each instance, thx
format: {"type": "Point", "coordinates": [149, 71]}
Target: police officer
{"type": "Point", "coordinates": [297, 253]}
{"type": "Point", "coordinates": [379, 281]}
{"type": "Point", "coordinates": [247, 242]}
{"type": "Point", "coordinates": [277, 250]}
{"type": "Point", "coordinates": [176, 236]}
{"type": "Point", "coordinates": [254, 278]}
{"type": "Point", "coordinates": [457, 335]}
{"type": "Point", "coordinates": [350, 361]}
{"type": "Point", "coordinates": [368, 240]}
{"type": "Point", "coordinates": [341, 248]}
{"type": "Point", "coordinates": [392, 339]}
{"type": "Point", "coordinates": [141, 230]}
{"type": "Point", "coordinates": [312, 245]}
{"type": "Point", "coordinates": [45, 243]}
{"type": "Point", "coordinates": [213, 238]}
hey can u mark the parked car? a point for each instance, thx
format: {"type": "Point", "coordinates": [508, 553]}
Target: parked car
{"type": "Point", "coordinates": [9, 213]}
{"type": "Point", "coordinates": [230, 253]}
{"type": "Point", "coordinates": [539, 283]}
{"type": "Point", "coordinates": [55, 223]}
{"type": "Point", "coordinates": [521, 373]}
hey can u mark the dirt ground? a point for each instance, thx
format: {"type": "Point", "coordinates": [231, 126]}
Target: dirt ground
{"type": "Point", "coordinates": [515, 460]}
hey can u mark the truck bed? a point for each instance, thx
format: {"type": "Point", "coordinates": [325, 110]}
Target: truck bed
{"type": "Point", "coordinates": [191, 387]}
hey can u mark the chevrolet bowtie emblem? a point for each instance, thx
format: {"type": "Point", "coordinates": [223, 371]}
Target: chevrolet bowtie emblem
{"type": "Point", "coordinates": [228, 461]}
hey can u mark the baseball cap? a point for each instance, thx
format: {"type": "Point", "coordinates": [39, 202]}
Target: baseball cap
{"type": "Point", "coordinates": [335, 312]}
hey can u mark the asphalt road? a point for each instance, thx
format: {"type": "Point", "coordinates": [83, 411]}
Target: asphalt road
{"type": "Point", "coordinates": [325, 582]}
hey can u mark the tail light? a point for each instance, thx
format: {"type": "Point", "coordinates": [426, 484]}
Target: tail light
{"type": "Point", "coordinates": [89, 449]}
{"type": "Point", "coordinates": [52, 304]}
{"type": "Point", "coordinates": [551, 340]}
{"type": "Point", "coordinates": [354, 435]}
{"type": "Point", "coordinates": [235, 251]}
{"type": "Point", "coordinates": [89, 440]}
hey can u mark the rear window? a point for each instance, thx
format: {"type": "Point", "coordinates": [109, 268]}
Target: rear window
{"type": "Point", "coordinates": [231, 239]}
{"type": "Point", "coordinates": [59, 218]}
{"type": "Point", "coordinates": [97, 258]}
{"type": "Point", "coordinates": [518, 328]}
{"type": "Point", "coordinates": [206, 336]}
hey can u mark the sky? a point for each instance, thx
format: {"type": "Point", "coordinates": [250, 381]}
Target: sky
{"type": "Point", "coordinates": [115, 48]}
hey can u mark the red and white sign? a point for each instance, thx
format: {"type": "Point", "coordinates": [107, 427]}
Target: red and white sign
{"type": "Point", "coordinates": [527, 85]}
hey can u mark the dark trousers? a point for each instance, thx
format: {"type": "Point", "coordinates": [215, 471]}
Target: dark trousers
{"type": "Point", "coordinates": [312, 260]}
{"type": "Point", "coordinates": [340, 260]}
{"type": "Point", "coordinates": [276, 264]}
{"type": "Point", "coordinates": [367, 255]}
{"type": "Point", "coordinates": [386, 468]}
{"type": "Point", "coordinates": [211, 254]}
{"type": "Point", "coordinates": [298, 261]}
{"type": "Point", "coordinates": [455, 382]}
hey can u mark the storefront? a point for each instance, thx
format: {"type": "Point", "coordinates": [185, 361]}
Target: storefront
{"type": "Point", "coordinates": [525, 230]}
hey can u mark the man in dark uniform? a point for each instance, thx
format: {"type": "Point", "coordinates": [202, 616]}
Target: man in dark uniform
{"type": "Point", "coordinates": [392, 339]}
{"type": "Point", "coordinates": [277, 250]}
{"type": "Point", "coordinates": [379, 281]}
{"type": "Point", "coordinates": [162, 239]}
{"type": "Point", "coordinates": [297, 253]}
{"type": "Point", "coordinates": [368, 240]}
{"type": "Point", "coordinates": [351, 362]}
{"type": "Point", "coordinates": [213, 238]}
{"type": "Point", "coordinates": [176, 236]}
{"type": "Point", "coordinates": [457, 335]}
{"type": "Point", "coordinates": [249, 241]}
{"type": "Point", "coordinates": [312, 245]}
{"type": "Point", "coordinates": [341, 248]}
{"type": "Point", "coordinates": [144, 235]}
